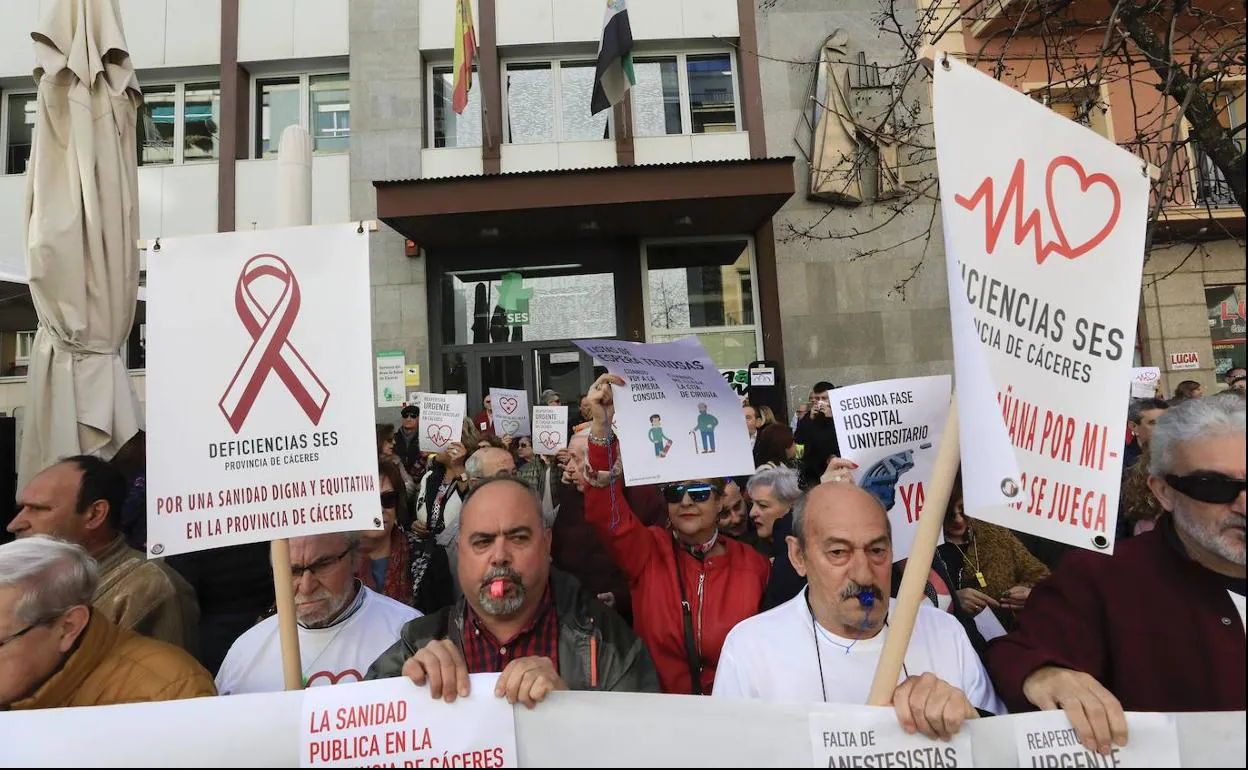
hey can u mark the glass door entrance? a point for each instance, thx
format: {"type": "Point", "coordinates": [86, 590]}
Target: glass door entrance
{"type": "Point", "coordinates": [532, 367]}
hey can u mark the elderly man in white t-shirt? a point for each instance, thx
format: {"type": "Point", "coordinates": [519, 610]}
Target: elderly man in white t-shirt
{"type": "Point", "coordinates": [824, 644]}
{"type": "Point", "coordinates": [343, 625]}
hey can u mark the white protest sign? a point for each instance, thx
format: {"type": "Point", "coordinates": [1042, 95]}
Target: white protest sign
{"type": "Point", "coordinates": [763, 376]}
{"type": "Point", "coordinates": [1040, 216]}
{"type": "Point", "coordinates": [1046, 739]}
{"type": "Point", "coordinates": [1144, 381]}
{"type": "Point", "coordinates": [870, 737]}
{"type": "Point", "coordinates": [550, 429]}
{"type": "Point", "coordinates": [272, 437]}
{"type": "Point", "coordinates": [394, 723]}
{"type": "Point", "coordinates": [511, 411]}
{"type": "Point", "coordinates": [892, 429]}
{"type": "Point", "coordinates": [441, 420]}
{"type": "Point", "coordinates": [676, 417]}
{"type": "Point", "coordinates": [390, 378]}
{"type": "Point", "coordinates": [988, 624]}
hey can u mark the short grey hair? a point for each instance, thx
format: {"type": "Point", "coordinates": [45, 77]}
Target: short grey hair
{"type": "Point", "coordinates": [784, 483]}
{"type": "Point", "coordinates": [474, 466]}
{"type": "Point", "coordinates": [53, 576]}
{"type": "Point", "coordinates": [1192, 420]}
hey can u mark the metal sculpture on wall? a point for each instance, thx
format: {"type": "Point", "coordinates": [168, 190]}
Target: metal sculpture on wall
{"type": "Point", "coordinates": [846, 136]}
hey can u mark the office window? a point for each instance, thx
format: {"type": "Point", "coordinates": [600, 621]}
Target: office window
{"type": "Point", "coordinates": [21, 132]}
{"type": "Point", "coordinates": [25, 344]}
{"type": "Point", "coordinates": [712, 103]}
{"type": "Point", "coordinates": [529, 95]}
{"type": "Point", "coordinates": [706, 289]}
{"type": "Point", "coordinates": [656, 97]}
{"type": "Point", "coordinates": [549, 102]}
{"type": "Point", "coordinates": [201, 122]}
{"type": "Point", "coordinates": [319, 103]}
{"type": "Point", "coordinates": [157, 124]}
{"type": "Point", "coordinates": [576, 90]}
{"type": "Point", "coordinates": [449, 129]}
{"type": "Point", "coordinates": [277, 107]}
{"type": "Point", "coordinates": [685, 93]}
{"type": "Point", "coordinates": [329, 121]}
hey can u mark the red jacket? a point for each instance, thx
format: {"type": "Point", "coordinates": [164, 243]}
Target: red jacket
{"type": "Point", "coordinates": [1158, 630]}
{"type": "Point", "coordinates": [722, 590]}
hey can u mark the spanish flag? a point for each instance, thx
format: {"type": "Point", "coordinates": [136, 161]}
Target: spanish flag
{"type": "Point", "coordinates": [615, 59]}
{"type": "Point", "coordinates": [465, 52]}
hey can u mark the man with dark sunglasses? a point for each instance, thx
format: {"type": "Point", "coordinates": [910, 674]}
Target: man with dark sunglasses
{"type": "Point", "coordinates": [1159, 626]}
{"type": "Point", "coordinates": [343, 625]}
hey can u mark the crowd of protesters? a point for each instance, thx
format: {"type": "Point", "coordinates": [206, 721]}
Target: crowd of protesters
{"type": "Point", "coordinates": [548, 570]}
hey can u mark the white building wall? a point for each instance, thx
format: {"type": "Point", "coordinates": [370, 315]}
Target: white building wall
{"type": "Point", "coordinates": [255, 197]}
{"type": "Point", "coordinates": [292, 29]}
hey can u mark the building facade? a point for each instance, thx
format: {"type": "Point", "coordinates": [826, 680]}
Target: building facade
{"type": "Point", "coordinates": [526, 222]}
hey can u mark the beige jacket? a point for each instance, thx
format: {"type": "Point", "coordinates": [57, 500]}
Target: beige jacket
{"type": "Point", "coordinates": [146, 596]}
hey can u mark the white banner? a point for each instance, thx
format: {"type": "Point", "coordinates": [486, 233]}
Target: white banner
{"type": "Point", "coordinates": [871, 737]}
{"type": "Point", "coordinates": [1040, 216]}
{"type": "Point", "coordinates": [394, 723]}
{"type": "Point", "coordinates": [676, 417]}
{"type": "Point", "coordinates": [1144, 381]}
{"type": "Point", "coordinates": [263, 428]}
{"type": "Point", "coordinates": [511, 412]}
{"type": "Point", "coordinates": [550, 429]}
{"type": "Point", "coordinates": [391, 365]}
{"type": "Point", "coordinates": [892, 429]}
{"type": "Point", "coordinates": [441, 420]}
{"type": "Point", "coordinates": [1046, 739]}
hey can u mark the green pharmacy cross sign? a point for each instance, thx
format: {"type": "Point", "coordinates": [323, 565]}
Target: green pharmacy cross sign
{"type": "Point", "coordinates": [513, 298]}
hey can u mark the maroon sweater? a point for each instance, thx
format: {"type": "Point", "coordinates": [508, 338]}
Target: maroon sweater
{"type": "Point", "coordinates": [1158, 630]}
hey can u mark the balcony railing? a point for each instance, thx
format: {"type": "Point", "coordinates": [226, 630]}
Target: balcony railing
{"type": "Point", "coordinates": [1211, 188]}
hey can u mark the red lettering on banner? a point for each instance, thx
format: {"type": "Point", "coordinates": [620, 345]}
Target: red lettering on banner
{"type": "Point", "coordinates": [1028, 223]}
{"type": "Point", "coordinates": [912, 497]}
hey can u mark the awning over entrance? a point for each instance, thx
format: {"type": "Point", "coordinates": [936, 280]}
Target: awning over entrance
{"type": "Point", "coordinates": [706, 198]}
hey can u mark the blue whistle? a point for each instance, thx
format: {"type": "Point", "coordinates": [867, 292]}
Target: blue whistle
{"type": "Point", "coordinates": [866, 599]}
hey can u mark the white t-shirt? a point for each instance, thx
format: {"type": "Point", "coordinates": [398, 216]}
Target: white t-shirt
{"type": "Point", "coordinates": [1238, 601]}
{"type": "Point", "coordinates": [340, 653]}
{"type": "Point", "coordinates": [772, 657]}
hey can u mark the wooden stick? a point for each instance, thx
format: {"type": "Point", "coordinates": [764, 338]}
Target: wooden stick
{"type": "Point", "coordinates": [288, 631]}
{"type": "Point", "coordinates": [918, 565]}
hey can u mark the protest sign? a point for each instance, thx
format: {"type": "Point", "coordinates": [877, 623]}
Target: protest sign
{"type": "Point", "coordinates": [272, 436]}
{"type": "Point", "coordinates": [1046, 739]}
{"type": "Point", "coordinates": [394, 723]}
{"type": "Point", "coordinates": [550, 429]}
{"type": "Point", "coordinates": [390, 377]}
{"type": "Point", "coordinates": [511, 412]}
{"type": "Point", "coordinates": [676, 417]}
{"type": "Point", "coordinates": [441, 420]}
{"type": "Point", "coordinates": [892, 429]}
{"type": "Point", "coordinates": [871, 737]}
{"type": "Point", "coordinates": [1040, 216]}
{"type": "Point", "coordinates": [1144, 381]}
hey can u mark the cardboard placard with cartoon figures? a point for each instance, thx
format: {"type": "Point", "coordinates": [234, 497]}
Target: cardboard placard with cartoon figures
{"type": "Point", "coordinates": [676, 416]}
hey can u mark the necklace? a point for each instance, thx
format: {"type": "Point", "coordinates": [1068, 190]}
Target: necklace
{"type": "Point", "coordinates": [979, 573]}
{"type": "Point", "coordinates": [814, 632]}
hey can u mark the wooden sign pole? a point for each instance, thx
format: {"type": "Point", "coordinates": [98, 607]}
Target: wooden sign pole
{"type": "Point", "coordinates": [288, 630]}
{"type": "Point", "coordinates": [918, 565]}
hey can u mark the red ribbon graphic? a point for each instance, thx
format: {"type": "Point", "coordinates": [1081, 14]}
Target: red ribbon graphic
{"type": "Point", "coordinates": [270, 350]}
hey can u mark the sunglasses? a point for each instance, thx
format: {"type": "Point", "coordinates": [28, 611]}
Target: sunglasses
{"type": "Point", "coordinates": [389, 499]}
{"type": "Point", "coordinates": [1208, 488]}
{"type": "Point", "coordinates": [699, 492]}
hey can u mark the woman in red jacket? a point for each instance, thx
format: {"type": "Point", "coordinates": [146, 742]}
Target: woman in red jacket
{"type": "Point", "coordinates": [689, 586]}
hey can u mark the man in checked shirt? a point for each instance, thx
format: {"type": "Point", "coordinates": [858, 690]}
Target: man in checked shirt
{"type": "Point", "coordinates": [518, 616]}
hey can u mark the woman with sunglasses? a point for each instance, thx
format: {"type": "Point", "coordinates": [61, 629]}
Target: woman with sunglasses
{"type": "Point", "coordinates": [385, 553]}
{"type": "Point", "coordinates": [689, 586]}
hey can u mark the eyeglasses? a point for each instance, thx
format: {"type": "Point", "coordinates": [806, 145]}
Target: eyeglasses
{"type": "Point", "coordinates": [699, 493]}
{"type": "Point", "coordinates": [389, 499]}
{"type": "Point", "coordinates": [318, 568]}
{"type": "Point", "coordinates": [14, 637]}
{"type": "Point", "coordinates": [1208, 487]}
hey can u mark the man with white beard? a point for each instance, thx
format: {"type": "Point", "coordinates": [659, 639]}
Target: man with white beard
{"type": "Point", "coordinates": [1159, 626]}
{"type": "Point", "coordinates": [343, 625]}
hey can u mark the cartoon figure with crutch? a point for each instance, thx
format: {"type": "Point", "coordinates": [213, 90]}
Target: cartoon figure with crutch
{"type": "Point", "coordinates": [707, 423]}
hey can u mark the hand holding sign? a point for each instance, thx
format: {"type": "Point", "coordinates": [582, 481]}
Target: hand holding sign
{"type": "Point", "coordinates": [441, 420]}
{"type": "Point", "coordinates": [931, 706]}
{"type": "Point", "coordinates": [1094, 712]}
{"type": "Point", "coordinates": [550, 429]}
